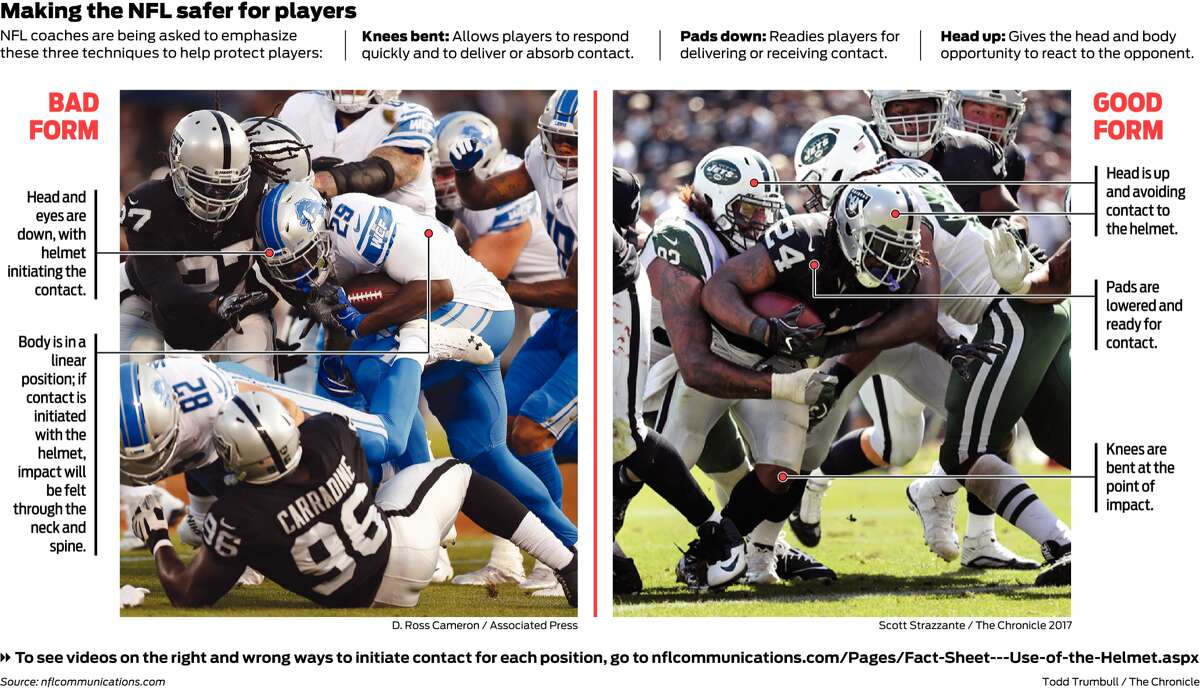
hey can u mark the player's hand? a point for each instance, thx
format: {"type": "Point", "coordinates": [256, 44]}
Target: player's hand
{"type": "Point", "coordinates": [150, 522]}
{"type": "Point", "coordinates": [329, 305]}
{"type": "Point", "coordinates": [809, 387]}
{"type": "Point", "coordinates": [132, 597]}
{"type": "Point", "coordinates": [961, 354]}
{"type": "Point", "coordinates": [334, 377]}
{"type": "Point", "coordinates": [231, 308]}
{"type": "Point", "coordinates": [784, 336]}
{"type": "Point", "coordinates": [1010, 261]}
{"type": "Point", "coordinates": [347, 316]}
{"type": "Point", "coordinates": [287, 364]}
{"type": "Point", "coordinates": [465, 154]}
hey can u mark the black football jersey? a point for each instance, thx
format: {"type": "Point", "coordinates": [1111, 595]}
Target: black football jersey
{"type": "Point", "coordinates": [155, 219]}
{"type": "Point", "coordinates": [964, 156]}
{"type": "Point", "coordinates": [1014, 164]}
{"type": "Point", "coordinates": [322, 538]}
{"type": "Point", "coordinates": [794, 243]}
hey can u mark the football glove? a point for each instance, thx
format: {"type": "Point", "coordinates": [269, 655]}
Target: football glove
{"type": "Point", "coordinates": [465, 154]}
{"type": "Point", "coordinates": [784, 336]}
{"type": "Point", "coordinates": [132, 597]}
{"type": "Point", "coordinates": [1010, 261]}
{"type": "Point", "coordinates": [806, 387]}
{"type": "Point", "coordinates": [329, 305]}
{"type": "Point", "coordinates": [334, 377]}
{"type": "Point", "coordinates": [232, 307]}
{"type": "Point", "coordinates": [961, 354]}
{"type": "Point", "coordinates": [150, 523]}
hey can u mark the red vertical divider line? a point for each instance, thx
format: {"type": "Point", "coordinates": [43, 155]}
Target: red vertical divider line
{"type": "Point", "coordinates": [595, 354]}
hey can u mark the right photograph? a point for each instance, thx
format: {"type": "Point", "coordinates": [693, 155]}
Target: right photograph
{"type": "Point", "coordinates": [842, 353]}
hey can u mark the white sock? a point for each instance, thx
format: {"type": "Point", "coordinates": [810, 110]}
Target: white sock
{"type": "Point", "coordinates": [766, 533]}
{"type": "Point", "coordinates": [946, 484]}
{"type": "Point", "coordinates": [534, 537]}
{"type": "Point", "coordinates": [1015, 501]}
{"type": "Point", "coordinates": [978, 524]}
{"type": "Point", "coordinates": [505, 555]}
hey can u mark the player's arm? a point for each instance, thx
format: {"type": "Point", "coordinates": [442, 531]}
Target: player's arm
{"type": "Point", "coordinates": [200, 582]}
{"type": "Point", "coordinates": [556, 293]}
{"type": "Point", "coordinates": [498, 251]}
{"type": "Point", "coordinates": [690, 331]}
{"type": "Point", "coordinates": [293, 410]}
{"type": "Point", "coordinates": [480, 194]}
{"type": "Point", "coordinates": [395, 162]}
{"type": "Point", "coordinates": [406, 304]}
{"type": "Point", "coordinates": [163, 284]}
{"type": "Point", "coordinates": [724, 296]}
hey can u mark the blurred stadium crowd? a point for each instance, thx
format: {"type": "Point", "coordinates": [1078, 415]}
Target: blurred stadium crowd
{"type": "Point", "coordinates": [660, 135]}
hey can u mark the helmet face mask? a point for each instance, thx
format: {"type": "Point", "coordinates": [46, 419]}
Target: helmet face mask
{"type": "Point", "coordinates": [912, 122]}
{"type": "Point", "coordinates": [256, 438]}
{"type": "Point", "coordinates": [351, 102]}
{"type": "Point", "coordinates": [750, 217]}
{"type": "Point", "coordinates": [150, 420]}
{"type": "Point", "coordinates": [557, 129]}
{"type": "Point", "coordinates": [209, 159]}
{"type": "Point", "coordinates": [881, 249]}
{"type": "Point", "coordinates": [291, 228]}
{"type": "Point", "coordinates": [995, 115]}
{"type": "Point", "coordinates": [740, 186]}
{"type": "Point", "coordinates": [451, 128]}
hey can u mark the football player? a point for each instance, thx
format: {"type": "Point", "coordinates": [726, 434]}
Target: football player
{"type": "Point", "coordinates": [190, 285]}
{"type": "Point", "coordinates": [314, 254]}
{"type": "Point", "coordinates": [995, 115]}
{"type": "Point", "coordinates": [542, 383]}
{"type": "Point", "coordinates": [304, 511]}
{"type": "Point", "coordinates": [384, 142]}
{"type": "Point", "coordinates": [712, 373]}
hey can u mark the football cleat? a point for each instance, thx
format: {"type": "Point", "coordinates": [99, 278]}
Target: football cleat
{"type": "Point", "coordinates": [189, 531]}
{"type": "Point", "coordinates": [456, 344]}
{"type": "Point", "coordinates": [626, 579]}
{"type": "Point", "coordinates": [540, 578]}
{"type": "Point", "coordinates": [984, 552]}
{"type": "Point", "coordinates": [490, 575]}
{"type": "Point", "coordinates": [722, 551]}
{"type": "Point", "coordinates": [250, 577]}
{"type": "Point", "coordinates": [1058, 564]}
{"type": "Point", "coordinates": [568, 580]}
{"type": "Point", "coordinates": [760, 565]}
{"type": "Point", "coordinates": [792, 563]}
{"type": "Point", "coordinates": [806, 520]}
{"type": "Point", "coordinates": [444, 570]}
{"type": "Point", "coordinates": [936, 511]}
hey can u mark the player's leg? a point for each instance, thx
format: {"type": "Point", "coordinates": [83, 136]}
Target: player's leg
{"type": "Point", "coordinates": [725, 459]}
{"type": "Point", "coordinates": [982, 414]}
{"type": "Point", "coordinates": [258, 334]}
{"type": "Point", "coordinates": [1049, 412]}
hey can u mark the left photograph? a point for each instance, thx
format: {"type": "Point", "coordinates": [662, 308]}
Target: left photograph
{"type": "Point", "coordinates": [349, 353]}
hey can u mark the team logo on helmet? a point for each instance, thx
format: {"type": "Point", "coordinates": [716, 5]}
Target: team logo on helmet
{"type": "Point", "coordinates": [856, 198]}
{"type": "Point", "coordinates": [818, 148]}
{"type": "Point", "coordinates": [722, 172]}
{"type": "Point", "coordinates": [307, 210]}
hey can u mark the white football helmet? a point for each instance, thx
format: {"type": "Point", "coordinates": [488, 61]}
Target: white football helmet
{"type": "Point", "coordinates": [291, 231]}
{"type": "Point", "coordinates": [741, 186]}
{"type": "Point", "coordinates": [279, 149]}
{"type": "Point", "coordinates": [835, 149]}
{"type": "Point", "coordinates": [449, 129]}
{"type": "Point", "coordinates": [915, 134]}
{"type": "Point", "coordinates": [150, 419]}
{"type": "Point", "coordinates": [878, 239]}
{"type": "Point", "coordinates": [209, 160]}
{"type": "Point", "coordinates": [559, 132]}
{"type": "Point", "coordinates": [256, 438]}
{"type": "Point", "coordinates": [1013, 101]}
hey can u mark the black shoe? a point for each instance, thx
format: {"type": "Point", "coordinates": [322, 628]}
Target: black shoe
{"type": "Point", "coordinates": [626, 579]}
{"type": "Point", "coordinates": [1058, 564]}
{"type": "Point", "coordinates": [792, 563]}
{"type": "Point", "coordinates": [691, 570]}
{"type": "Point", "coordinates": [808, 535]}
{"type": "Point", "coordinates": [722, 551]}
{"type": "Point", "coordinates": [568, 578]}
{"type": "Point", "coordinates": [624, 490]}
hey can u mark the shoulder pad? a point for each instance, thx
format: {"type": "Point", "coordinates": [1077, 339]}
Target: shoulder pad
{"type": "Point", "coordinates": [679, 243]}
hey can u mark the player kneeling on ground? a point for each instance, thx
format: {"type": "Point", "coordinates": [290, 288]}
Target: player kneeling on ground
{"type": "Point", "coordinates": [304, 513]}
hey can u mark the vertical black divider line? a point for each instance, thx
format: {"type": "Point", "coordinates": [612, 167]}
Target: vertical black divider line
{"type": "Point", "coordinates": [95, 444]}
{"type": "Point", "coordinates": [1096, 315]}
{"type": "Point", "coordinates": [95, 244]}
{"type": "Point", "coordinates": [1095, 200]}
{"type": "Point", "coordinates": [1096, 480]}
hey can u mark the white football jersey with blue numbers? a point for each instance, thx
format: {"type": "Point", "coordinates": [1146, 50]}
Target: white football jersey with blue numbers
{"type": "Point", "coordinates": [201, 390]}
{"type": "Point", "coordinates": [560, 205]}
{"type": "Point", "coordinates": [539, 259]}
{"type": "Point", "coordinates": [376, 235]}
{"type": "Point", "coordinates": [394, 123]}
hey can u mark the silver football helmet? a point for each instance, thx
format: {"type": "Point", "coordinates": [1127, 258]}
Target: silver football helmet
{"type": "Point", "coordinates": [256, 438]}
{"type": "Point", "coordinates": [450, 128]}
{"type": "Point", "coordinates": [835, 149]}
{"type": "Point", "coordinates": [150, 420]}
{"type": "Point", "coordinates": [877, 236]}
{"type": "Point", "coordinates": [1012, 101]}
{"type": "Point", "coordinates": [297, 250]}
{"type": "Point", "coordinates": [209, 160]}
{"type": "Point", "coordinates": [742, 188]}
{"type": "Point", "coordinates": [913, 134]}
{"type": "Point", "coordinates": [279, 149]}
{"type": "Point", "coordinates": [558, 128]}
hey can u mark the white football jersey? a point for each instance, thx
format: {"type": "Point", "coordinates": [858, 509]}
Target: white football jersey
{"type": "Point", "coordinates": [376, 235]}
{"type": "Point", "coordinates": [539, 259]}
{"type": "Point", "coordinates": [560, 205]}
{"type": "Point", "coordinates": [394, 123]}
{"type": "Point", "coordinates": [958, 241]}
{"type": "Point", "coordinates": [201, 390]}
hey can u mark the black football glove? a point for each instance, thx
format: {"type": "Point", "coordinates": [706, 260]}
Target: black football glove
{"type": "Point", "coordinates": [785, 337]}
{"type": "Point", "coordinates": [233, 307]}
{"type": "Point", "coordinates": [963, 355]}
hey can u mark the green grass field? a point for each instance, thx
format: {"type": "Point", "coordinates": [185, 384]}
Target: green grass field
{"type": "Point", "coordinates": [873, 542]}
{"type": "Point", "coordinates": [268, 599]}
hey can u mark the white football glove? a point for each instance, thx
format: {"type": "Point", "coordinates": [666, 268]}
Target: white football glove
{"type": "Point", "coordinates": [132, 597]}
{"type": "Point", "coordinates": [1011, 263]}
{"type": "Point", "coordinates": [805, 387]}
{"type": "Point", "coordinates": [150, 523]}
